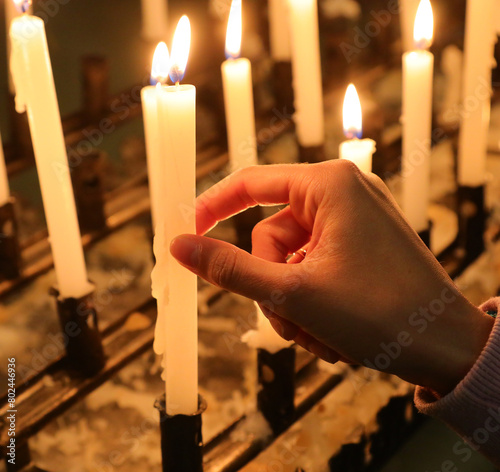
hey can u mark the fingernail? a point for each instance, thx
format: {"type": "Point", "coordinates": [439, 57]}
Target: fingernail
{"type": "Point", "coordinates": [277, 325]}
{"type": "Point", "coordinates": [186, 250]}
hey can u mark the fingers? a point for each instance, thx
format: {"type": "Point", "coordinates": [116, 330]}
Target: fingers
{"type": "Point", "coordinates": [286, 329]}
{"type": "Point", "coordinates": [233, 269]}
{"type": "Point", "coordinates": [316, 347]}
{"type": "Point", "coordinates": [274, 238]}
{"type": "Point", "coordinates": [291, 331]}
{"type": "Point", "coordinates": [264, 185]}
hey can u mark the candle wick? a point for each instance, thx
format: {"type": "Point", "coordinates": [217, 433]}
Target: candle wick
{"type": "Point", "coordinates": [177, 84]}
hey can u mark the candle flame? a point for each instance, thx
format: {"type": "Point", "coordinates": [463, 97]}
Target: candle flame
{"type": "Point", "coordinates": [22, 5]}
{"type": "Point", "coordinates": [180, 50]}
{"type": "Point", "coordinates": [233, 33]}
{"type": "Point", "coordinates": [353, 127]}
{"type": "Point", "coordinates": [159, 69]}
{"type": "Point", "coordinates": [424, 25]}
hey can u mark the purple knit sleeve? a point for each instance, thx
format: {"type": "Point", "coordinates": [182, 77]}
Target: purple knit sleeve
{"type": "Point", "coordinates": [472, 409]}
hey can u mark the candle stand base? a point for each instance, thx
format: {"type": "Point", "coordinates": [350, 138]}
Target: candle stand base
{"type": "Point", "coordinates": [89, 195]}
{"type": "Point", "coordinates": [181, 439]}
{"type": "Point", "coordinates": [244, 224]}
{"type": "Point", "coordinates": [425, 235]}
{"type": "Point", "coordinates": [10, 254]}
{"type": "Point", "coordinates": [282, 86]}
{"type": "Point", "coordinates": [471, 221]}
{"type": "Point", "coordinates": [311, 154]}
{"type": "Point", "coordinates": [78, 320]}
{"type": "Point", "coordinates": [275, 399]}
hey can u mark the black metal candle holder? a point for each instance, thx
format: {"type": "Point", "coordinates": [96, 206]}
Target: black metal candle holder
{"type": "Point", "coordinates": [181, 439]}
{"type": "Point", "coordinates": [311, 154]}
{"type": "Point", "coordinates": [275, 399]}
{"type": "Point", "coordinates": [472, 217]}
{"type": "Point", "coordinates": [89, 194]}
{"type": "Point", "coordinates": [282, 85]}
{"type": "Point", "coordinates": [10, 254]}
{"type": "Point", "coordinates": [95, 73]}
{"type": "Point", "coordinates": [78, 320]}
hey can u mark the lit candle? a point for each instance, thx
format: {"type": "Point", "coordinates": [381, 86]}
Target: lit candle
{"type": "Point", "coordinates": [36, 94]}
{"type": "Point", "coordinates": [154, 151]}
{"type": "Point", "coordinates": [417, 121]}
{"type": "Point", "coordinates": [306, 71]}
{"type": "Point", "coordinates": [279, 30]}
{"type": "Point", "coordinates": [154, 20]}
{"type": "Point", "coordinates": [177, 333]}
{"type": "Point", "coordinates": [4, 181]}
{"type": "Point", "coordinates": [407, 13]}
{"type": "Point", "coordinates": [480, 38]}
{"type": "Point", "coordinates": [11, 12]}
{"type": "Point", "coordinates": [238, 96]}
{"type": "Point", "coordinates": [359, 151]}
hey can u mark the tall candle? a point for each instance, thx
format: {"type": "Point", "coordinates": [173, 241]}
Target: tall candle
{"type": "Point", "coordinates": [480, 37]}
{"type": "Point", "coordinates": [154, 151]}
{"type": "Point", "coordinates": [4, 181]}
{"type": "Point", "coordinates": [154, 20]}
{"type": "Point", "coordinates": [11, 12]}
{"type": "Point", "coordinates": [238, 96]}
{"type": "Point", "coordinates": [407, 13]}
{"type": "Point", "coordinates": [179, 315]}
{"type": "Point", "coordinates": [279, 30]}
{"type": "Point", "coordinates": [306, 71]}
{"type": "Point", "coordinates": [417, 121]}
{"type": "Point", "coordinates": [36, 94]}
{"type": "Point", "coordinates": [359, 151]}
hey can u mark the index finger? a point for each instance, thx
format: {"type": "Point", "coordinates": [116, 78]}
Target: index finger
{"type": "Point", "coordinates": [257, 185]}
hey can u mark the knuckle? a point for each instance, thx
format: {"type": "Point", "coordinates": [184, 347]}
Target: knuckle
{"type": "Point", "coordinates": [222, 268]}
{"type": "Point", "coordinates": [347, 174]}
{"type": "Point", "coordinates": [346, 168]}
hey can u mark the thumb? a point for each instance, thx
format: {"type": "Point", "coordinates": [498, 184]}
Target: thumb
{"type": "Point", "coordinates": [229, 267]}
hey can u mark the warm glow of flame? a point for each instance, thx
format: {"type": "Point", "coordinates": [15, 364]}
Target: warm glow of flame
{"type": "Point", "coordinates": [352, 113]}
{"type": "Point", "coordinates": [233, 33]}
{"type": "Point", "coordinates": [22, 5]}
{"type": "Point", "coordinates": [424, 25]}
{"type": "Point", "coordinates": [180, 50]}
{"type": "Point", "coordinates": [159, 69]}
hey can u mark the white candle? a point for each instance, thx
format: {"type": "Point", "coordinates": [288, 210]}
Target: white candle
{"type": "Point", "coordinates": [279, 30]}
{"type": "Point", "coordinates": [4, 180]}
{"type": "Point", "coordinates": [11, 12]}
{"type": "Point", "coordinates": [480, 38]}
{"type": "Point", "coordinates": [407, 13]}
{"type": "Point", "coordinates": [154, 20]}
{"type": "Point", "coordinates": [154, 151]}
{"type": "Point", "coordinates": [238, 97]}
{"type": "Point", "coordinates": [417, 121]}
{"type": "Point", "coordinates": [451, 65]}
{"type": "Point", "coordinates": [264, 336]}
{"type": "Point", "coordinates": [36, 94]}
{"type": "Point", "coordinates": [179, 315]}
{"type": "Point", "coordinates": [359, 151]}
{"type": "Point", "coordinates": [306, 71]}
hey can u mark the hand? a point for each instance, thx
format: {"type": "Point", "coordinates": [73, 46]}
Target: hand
{"type": "Point", "coordinates": [368, 290]}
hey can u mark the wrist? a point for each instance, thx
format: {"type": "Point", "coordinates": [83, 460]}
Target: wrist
{"type": "Point", "coordinates": [468, 331]}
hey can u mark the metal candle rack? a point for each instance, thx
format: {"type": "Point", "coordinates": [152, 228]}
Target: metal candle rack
{"type": "Point", "coordinates": [289, 387]}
